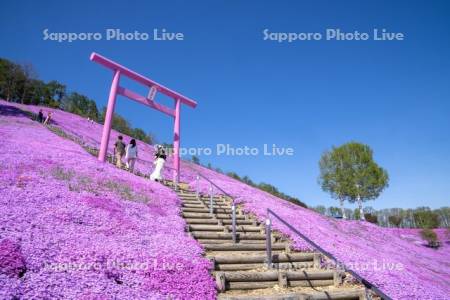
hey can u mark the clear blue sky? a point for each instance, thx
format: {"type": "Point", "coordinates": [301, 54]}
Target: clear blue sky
{"type": "Point", "coordinates": [308, 95]}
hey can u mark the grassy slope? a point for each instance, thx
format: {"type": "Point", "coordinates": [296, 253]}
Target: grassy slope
{"type": "Point", "coordinates": [368, 249]}
{"type": "Point", "coordinates": [59, 205]}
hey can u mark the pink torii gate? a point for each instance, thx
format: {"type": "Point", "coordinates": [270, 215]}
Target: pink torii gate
{"type": "Point", "coordinates": [155, 87]}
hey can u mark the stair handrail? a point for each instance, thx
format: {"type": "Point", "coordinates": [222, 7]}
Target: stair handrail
{"type": "Point", "coordinates": [209, 180]}
{"type": "Point", "coordinates": [367, 284]}
{"type": "Point", "coordinates": [211, 205]}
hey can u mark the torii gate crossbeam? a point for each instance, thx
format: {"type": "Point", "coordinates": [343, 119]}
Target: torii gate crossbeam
{"type": "Point", "coordinates": [155, 87]}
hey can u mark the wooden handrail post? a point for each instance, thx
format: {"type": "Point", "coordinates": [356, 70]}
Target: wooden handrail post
{"type": "Point", "coordinates": [269, 242]}
{"type": "Point", "coordinates": [198, 187]}
{"type": "Point", "coordinates": [233, 222]}
{"type": "Point", "coordinates": [211, 209]}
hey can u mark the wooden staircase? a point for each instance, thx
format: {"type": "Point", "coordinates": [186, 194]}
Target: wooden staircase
{"type": "Point", "coordinates": [240, 268]}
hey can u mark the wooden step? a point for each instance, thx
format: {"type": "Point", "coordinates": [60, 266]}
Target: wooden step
{"type": "Point", "coordinates": [194, 194]}
{"type": "Point", "coordinates": [271, 284]}
{"type": "Point", "coordinates": [194, 197]}
{"type": "Point", "coordinates": [345, 294]}
{"type": "Point", "coordinates": [213, 241]}
{"type": "Point", "coordinates": [227, 236]}
{"type": "Point", "coordinates": [350, 294]}
{"type": "Point", "coordinates": [229, 216]}
{"type": "Point", "coordinates": [206, 228]}
{"type": "Point", "coordinates": [189, 215]}
{"type": "Point", "coordinates": [246, 276]}
{"type": "Point", "coordinates": [215, 221]}
{"type": "Point", "coordinates": [205, 203]}
{"type": "Point", "coordinates": [243, 247]}
{"type": "Point", "coordinates": [240, 222]}
{"type": "Point", "coordinates": [246, 228]}
{"type": "Point", "coordinates": [206, 210]}
{"type": "Point", "coordinates": [278, 258]}
{"type": "Point", "coordinates": [196, 215]}
{"type": "Point", "coordinates": [201, 205]}
{"type": "Point", "coordinates": [205, 200]}
{"type": "Point", "coordinates": [228, 228]}
{"type": "Point", "coordinates": [278, 266]}
{"type": "Point", "coordinates": [217, 206]}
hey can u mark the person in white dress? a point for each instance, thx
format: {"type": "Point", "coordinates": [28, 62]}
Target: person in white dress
{"type": "Point", "coordinates": [131, 155]}
{"type": "Point", "coordinates": [160, 159]}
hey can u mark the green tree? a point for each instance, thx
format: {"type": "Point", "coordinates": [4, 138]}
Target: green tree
{"type": "Point", "coordinates": [348, 172]}
{"type": "Point", "coordinates": [444, 216]}
{"type": "Point", "coordinates": [119, 123]}
{"type": "Point", "coordinates": [426, 219]}
{"type": "Point", "coordinates": [395, 220]}
{"type": "Point", "coordinates": [27, 82]}
{"type": "Point", "coordinates": [195, 160]}
{"type": "Point", "coordinates": [12, 78]}
{"type": "Point", "coordinates": [80, 105]}
{"type": "Point", "coordinates": [320, 209]}
{"type": "Point", "coordinates": [357, 214]}
{"type": "Point", "coordinates": [349, 213]}
{"type": "Point", "coordinates": [248, 181]}
{"type": "Point", "coordinates": [333, 175]}
{"type": "Point", "coordinates": [140, 134]}
{"type": "Point", "coordinates": [268, 188]}
{"type": "Point", "coordinates": [35, 93]}
{"type": "Point", "coordinates": [371, 218]}
{"type": "Point", "coordinates": [335, 211]}
{"type": "Point", "coordinates": [430, 236]}
{"type": "Point", "coordinates": [53, 93]}
{"type": "Point", "coordinates": [234, 175]}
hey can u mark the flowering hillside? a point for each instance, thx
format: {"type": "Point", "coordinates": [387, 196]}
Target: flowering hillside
{"type": "Point", "coordinates": [401, 268]}
{"type": "Point", "coordinates": [412, 235]}
{"type": "Point", "coordinates": [89, 133]}
{"type": "Point", "coordinates": [74, 228]}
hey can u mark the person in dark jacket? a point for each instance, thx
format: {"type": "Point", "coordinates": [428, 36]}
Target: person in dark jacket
{"type": "Point", "coordinates": [119, 151]}
{"type": "Point", "coordinates": [40, 116]}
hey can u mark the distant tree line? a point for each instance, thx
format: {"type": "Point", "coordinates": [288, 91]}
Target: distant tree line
{"type": "Point", "coordinates": [262, 186]}
{"type": "Point", "coordinates": [20, 83]}
{"type": "Point", "coordinates": [421, 217]}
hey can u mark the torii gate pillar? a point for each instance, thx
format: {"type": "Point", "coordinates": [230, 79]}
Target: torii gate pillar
{"type": "Point", "coordinates": [176, 142]}
{"type": "Point", "coordinates": [108, 117]}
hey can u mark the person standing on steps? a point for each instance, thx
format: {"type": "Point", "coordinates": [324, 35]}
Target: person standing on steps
{"type": "Point", "coordinates": [40, 116]}
{"type": "Point", "coordinates": [160, 159]}
{"type": "Point", "coordinates": [119, 151]}
{"type": "Point", "coordinates": [131, 155]}
{"type": "Point", "coordinates": [48, 119]}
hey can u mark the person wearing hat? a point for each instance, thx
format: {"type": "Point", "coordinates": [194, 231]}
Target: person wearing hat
{"type": "Point", "coordinates": [160, 159]}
